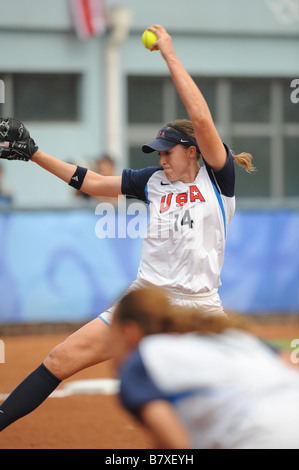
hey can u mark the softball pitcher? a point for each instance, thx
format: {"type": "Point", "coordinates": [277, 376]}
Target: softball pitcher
{"type": "Point", "coordinates": [190, 209]}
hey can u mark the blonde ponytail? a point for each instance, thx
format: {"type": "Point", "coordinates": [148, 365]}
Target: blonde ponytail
{"type": "Point", "coordinates": [244, 159]}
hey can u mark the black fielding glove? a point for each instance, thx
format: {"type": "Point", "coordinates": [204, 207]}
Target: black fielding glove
{"type": "Point", "coordinates": [18, 149]}
{"type": "Point", "coordinates": [12, 129]}
{"type": "Point", "coordinates": [15, 140]}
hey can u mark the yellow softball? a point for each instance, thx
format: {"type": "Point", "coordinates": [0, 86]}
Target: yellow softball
{"type": "Point", "coordinates": [148, 38]}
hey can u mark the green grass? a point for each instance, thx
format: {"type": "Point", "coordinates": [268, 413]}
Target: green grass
{"type": "Point", "coordinates": [284, 343]}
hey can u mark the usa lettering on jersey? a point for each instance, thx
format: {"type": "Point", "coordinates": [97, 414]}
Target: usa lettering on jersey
{"type": "Point", "coordinates": [181, 199]}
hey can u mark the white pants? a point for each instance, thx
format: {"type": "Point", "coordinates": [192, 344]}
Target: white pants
{"type": "Point", "coordinates": [209, 303]}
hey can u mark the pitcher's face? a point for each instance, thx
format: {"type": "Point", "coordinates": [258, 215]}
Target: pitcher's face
{"type": "Point", "coordinates": [178, 163]}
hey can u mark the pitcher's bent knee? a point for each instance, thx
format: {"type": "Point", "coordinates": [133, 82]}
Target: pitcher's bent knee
{"type": "Point", "coordinates": [58, 362]}
{"type": "Point", "coordinates": [86, 347]}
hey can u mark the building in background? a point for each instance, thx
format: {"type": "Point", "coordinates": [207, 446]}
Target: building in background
{"type": "Point", "coordinates": [105, 93]}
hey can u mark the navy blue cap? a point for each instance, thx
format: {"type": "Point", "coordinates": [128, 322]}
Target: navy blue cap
{"type": "Point", "coordinates": [166, 139]}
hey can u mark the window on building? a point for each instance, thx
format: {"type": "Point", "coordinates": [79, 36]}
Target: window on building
{"type": "Point", "coordinates": [42, 97]}
{"type": "Point", "coordinates": [252, 115]}
{"type": "Point", "coordinates": [291, 173]}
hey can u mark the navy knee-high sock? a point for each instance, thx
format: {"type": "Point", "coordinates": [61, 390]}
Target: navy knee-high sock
{"type": "Point", "coordinates": [28, 395]}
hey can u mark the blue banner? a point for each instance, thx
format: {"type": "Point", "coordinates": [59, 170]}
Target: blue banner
{"type": "Point", "coordinates": [261, 267]}
{"type": "Point", "coordinates": [55, 268]}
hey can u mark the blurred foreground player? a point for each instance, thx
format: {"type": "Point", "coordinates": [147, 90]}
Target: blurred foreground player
{"type": "Point", "coordinates": [201, 382]}
{"type": "Point", "coordinates": [190, 208]}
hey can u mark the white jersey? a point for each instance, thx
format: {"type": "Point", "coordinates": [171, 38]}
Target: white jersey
{"type": "Point", "coordinates": [230, 390]}
{"type": "Point", "coordinates": [183, 249]}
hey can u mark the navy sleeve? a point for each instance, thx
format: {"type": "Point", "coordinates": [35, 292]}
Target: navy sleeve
{"type": "Point", "coordinates": [224, 179]}
{"type": "Point", "coordinates": [133, 182]}
{"type": "Point", "coordinates": [136, 386]}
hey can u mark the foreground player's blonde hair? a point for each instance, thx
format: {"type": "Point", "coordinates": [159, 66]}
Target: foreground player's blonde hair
{"type": "Point", "coordinates": [150, 308]}
{"type": "Point", "coordinates": [243, 159]}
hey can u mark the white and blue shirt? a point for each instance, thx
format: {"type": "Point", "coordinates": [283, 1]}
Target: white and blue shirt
{"type": "Point", "coordinates": [229, 390]}
{"type": "Point", "coordinates": [183, 249]}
